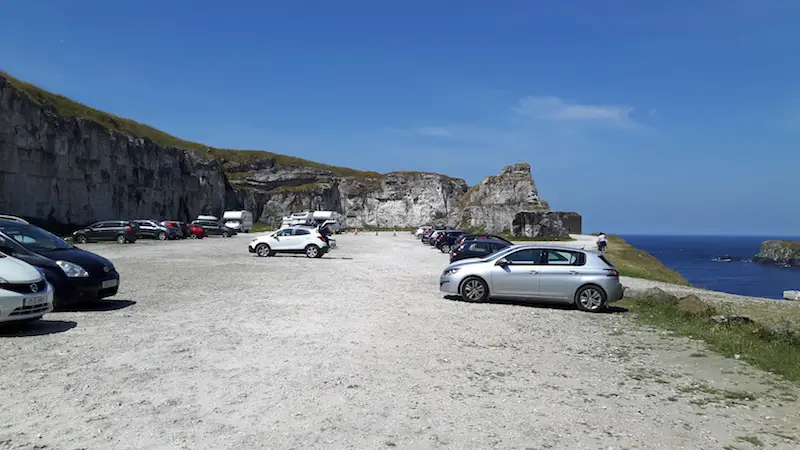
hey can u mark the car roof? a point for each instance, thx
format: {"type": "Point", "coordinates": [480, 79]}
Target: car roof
{"type": "Point", "coordinates": [490, 241]}
{"type": "Point", "coordinates": [553, 247]}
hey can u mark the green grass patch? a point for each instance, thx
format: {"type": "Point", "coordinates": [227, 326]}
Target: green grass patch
{"type": "Point", "coordinates": [260, 227]}
{"type": "Point", "coordinates": [768, 350]}
{"type": "Point", "coordinates": [513, 238]}
{"type": "Point", "coordinates": [633, 262]}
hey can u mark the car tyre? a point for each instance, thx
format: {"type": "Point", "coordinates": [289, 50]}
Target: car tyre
{"type": "Point", "coordinates": [81, 239]}
{"type": "Point", "coordinates": [121, 239]}
{"type": "Point", "coordinates": [226, 234]}
{"type": "Point", "coordinates": [263, 250]}
{"type": "Point", "coordinates": [192, 236]}
{"type": "Point", "coordinates": [162, 236]}
{"type": "Point", "coordinates": [445, 248]}
{"type": "Point", "coordinates": [474, 290]}
{"type": "Point", "coordinates": [591, 298]}
{"type": "Point", "coordinates": [312, 251]}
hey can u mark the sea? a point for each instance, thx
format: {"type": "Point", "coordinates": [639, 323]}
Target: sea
{"type": "Point", "coordinates": [697, 258]}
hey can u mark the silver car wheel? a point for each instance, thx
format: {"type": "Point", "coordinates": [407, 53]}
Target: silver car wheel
{"type": "Point", "coordinates": [312, 251]}
{"type": "Point", "coordinates": [445, 248]}
{"type": "Point", "coordinates": [474, 290]}
{"type": "Point", "coordinates": [591, 299]}
{"type": "Point", "coordinates": [263, 250]}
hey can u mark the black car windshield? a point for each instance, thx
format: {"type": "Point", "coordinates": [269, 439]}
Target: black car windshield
{"type": "Point", "coordinates": [34, 237]}
{"type": "Point", "coordinates": [497, 254]}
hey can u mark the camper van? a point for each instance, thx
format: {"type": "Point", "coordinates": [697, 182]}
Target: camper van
{"type": "Point", "coordinates": [241, 221]}
{"type": "Point", "coordinates": [316, 218]}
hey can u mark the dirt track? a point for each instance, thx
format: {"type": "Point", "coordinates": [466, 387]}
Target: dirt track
{"type": "Point", "coordinates": [209, 347]}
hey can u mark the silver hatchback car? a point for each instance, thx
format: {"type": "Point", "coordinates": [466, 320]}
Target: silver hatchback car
{"type": "Point", "coordinates": [535, 272]}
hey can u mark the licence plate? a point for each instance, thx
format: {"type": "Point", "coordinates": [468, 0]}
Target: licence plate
{"type": "Point", "coordinates": [109, 284]}
{"type": "Point", "coordinates": [34, 301]}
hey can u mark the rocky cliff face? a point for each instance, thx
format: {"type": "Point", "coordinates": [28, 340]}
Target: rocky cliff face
{"type": "Point", "coordinates": [546, 223]}
{"type": "Point", "coordinates": [67, 170]}
{"type": "Point", "coordinates": [784, 253]}
{"type": "Point", "coordinates": [492, 204]}
{"type": "Point", "coordinates": [61, 168]}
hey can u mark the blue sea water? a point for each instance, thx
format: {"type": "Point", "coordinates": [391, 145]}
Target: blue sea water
{"type": "Point", "coordinates": [693, 257]}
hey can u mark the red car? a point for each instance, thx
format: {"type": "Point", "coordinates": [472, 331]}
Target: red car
{"type": "Point", "coordinates": [196, 231]}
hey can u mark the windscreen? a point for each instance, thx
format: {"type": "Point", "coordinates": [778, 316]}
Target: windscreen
{"type": "Point", "coordinates": [34, 237]}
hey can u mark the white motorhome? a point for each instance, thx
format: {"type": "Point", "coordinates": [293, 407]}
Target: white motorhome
{"type": "Point", "coordinates": [207, 218]}
{"type": "Point", "coordinates": [238, 220]}
{"type": "Point", "coordinates": [316, 218]}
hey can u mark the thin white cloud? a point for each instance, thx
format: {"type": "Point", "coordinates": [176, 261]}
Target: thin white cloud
{"type": "Point", "coordinates": [555, 109]}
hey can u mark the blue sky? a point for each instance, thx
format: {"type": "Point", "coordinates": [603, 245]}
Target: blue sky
{"type": "Point", "coordinates": [678, 117]}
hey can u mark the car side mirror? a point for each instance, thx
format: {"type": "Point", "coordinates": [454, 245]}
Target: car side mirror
{"type": "Point", "coordinates": [503, 262]}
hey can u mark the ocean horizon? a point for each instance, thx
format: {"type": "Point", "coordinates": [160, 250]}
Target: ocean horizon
{"type": "Point", "coordinates": [694, 257]}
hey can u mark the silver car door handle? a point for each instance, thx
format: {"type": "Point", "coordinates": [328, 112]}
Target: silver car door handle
{"type": "Point", "coordinates": [533, 272]}
{"type": "Point", "coordinates": [573, 272]}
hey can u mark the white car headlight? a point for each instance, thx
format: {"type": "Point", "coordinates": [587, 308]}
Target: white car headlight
{"type": "Point", "coordinates": [72, 270]}
{"type": "Point", "coordinates": [449, 272]}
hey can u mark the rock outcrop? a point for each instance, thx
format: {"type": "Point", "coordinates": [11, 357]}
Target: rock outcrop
{"type": "Point", "coordinates": [63, 163]}
{"type": "Point", "coordinates": [783, 253]}
{"type": "Point", "coordinates": [547, 223]}
{"type": "Point", "coordinates": [72, 171]}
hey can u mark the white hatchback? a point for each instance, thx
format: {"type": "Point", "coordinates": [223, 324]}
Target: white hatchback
{"type": "Point", "coordinates": [303, 240]}
{"type": "Point", "coordinates": [25, 294]}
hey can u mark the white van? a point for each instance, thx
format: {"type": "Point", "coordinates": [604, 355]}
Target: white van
{"type": "Point", "coordinates": [207, 218]}
{"type": "Point", "coordinates": [241, 221]}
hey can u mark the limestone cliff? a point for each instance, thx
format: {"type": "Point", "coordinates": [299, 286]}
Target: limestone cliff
{"type": "Point", "coordinates": [63, 163]}
{"type": "Point", "coordinates": [784, 253]}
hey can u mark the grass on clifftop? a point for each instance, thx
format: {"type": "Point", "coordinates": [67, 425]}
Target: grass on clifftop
{"type": "Point", "coordinates": [66, 107]}
{"type": "Point", "coordinates": [633, 262]}
{"type": "Point", "coordinates": [755, 343]}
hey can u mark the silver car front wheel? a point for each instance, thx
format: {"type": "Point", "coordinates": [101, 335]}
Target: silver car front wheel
{"type": "Point", "coordinates": [474, 290]}
{"type": "Point", "coordinates": [590, 299]}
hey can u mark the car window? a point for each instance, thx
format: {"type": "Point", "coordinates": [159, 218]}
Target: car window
{"type": "Point", "coordinates": [300, 231]}
{"type": "Point", "coordinates": [525, 257]}
{"type": "Point", "coordinates": [479, 247]}
{"type": "Point", "coordinates": [286, 232]}
{"type": "Point", "coordinates": [564, 258]}
{"type": "Point", "coordinates": [34, 237]}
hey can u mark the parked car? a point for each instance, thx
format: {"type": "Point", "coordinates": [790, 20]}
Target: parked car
{"type": "Point", "coordinates": [291, 240]}
{"type": "Point", "coordinates": [196, 231]}
{"type": "Point", "coordinates": [476, 249]}
{"type": "Point", "coordinates": [211, 228]}
{"type": "Point", "coordinates": [150, 229]}
{"type": "Point", "coordinates": [14, 218]}
{"type": "Point", "coordinates": [122, 231]}
{"type": "Point", "coordinates": [75, 274]}
{"type": "Point", "coordinates": [180, 228]}
{"type": "Point", "coordinates": [437, 237]}
{"type": "Point", "coordinates": [533, 272]}
{"type": "Point", "coordinates": [420, 230]}
{"type": "Point", "coordinates": [476, 236]}
{"type": "Point", "coordinates": [447, 239]}
{"type": "Point", "coordinates": [25, 294]}
{"type": "Point", "coordinates": [241, 221]}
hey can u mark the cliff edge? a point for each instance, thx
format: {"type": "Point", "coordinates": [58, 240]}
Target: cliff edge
{"type": "Point", "coordinates": [784, 253]}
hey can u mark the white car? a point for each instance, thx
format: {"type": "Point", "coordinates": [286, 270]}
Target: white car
{"type": "Point", "coordinates": [291, 240]}
{"type": "Point", "coordinates": [25, 294]}
{"type": "Point", "coordinates": [421, 230]}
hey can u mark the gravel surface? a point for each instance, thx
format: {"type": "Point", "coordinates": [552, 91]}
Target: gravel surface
{"type": "Point", "coordinates": [208, 347]}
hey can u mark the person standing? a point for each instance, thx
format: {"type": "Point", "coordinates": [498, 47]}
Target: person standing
{"type": "Point", "coordinates": [602, 243]}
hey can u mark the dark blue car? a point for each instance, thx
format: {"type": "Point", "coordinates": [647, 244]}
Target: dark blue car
{"type": "Point", "coordinates": [76, 275]}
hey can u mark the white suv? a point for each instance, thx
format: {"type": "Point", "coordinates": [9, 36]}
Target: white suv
{"type": "Point", "coordinates": [291, 240]}
{"type": "Point", "coordinates": [25, 294]}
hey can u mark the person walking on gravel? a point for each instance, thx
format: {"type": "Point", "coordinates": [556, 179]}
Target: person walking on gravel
{"type": "Point", "coordinates": [602, 243]}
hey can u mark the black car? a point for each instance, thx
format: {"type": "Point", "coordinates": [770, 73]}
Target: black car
{"type": "Point", "coordinates": [447, 239]}
{"type": "Point", "coordinates": [122, 231]}
{"type": "Point", "coordinates": [479, 236]}
{"type": "Point", "coordinates": [476, 249]}
{"type": "Point", "coordinates": [75, 274]}
{"type": "Point", "coordinates": [212, 228]}
{"type": "Point", "coordinates": [180, 228]}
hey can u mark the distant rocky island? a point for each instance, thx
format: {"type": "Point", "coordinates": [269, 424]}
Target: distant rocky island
{"type": "Point", "coordinates": [782, 253]}
{"type": "Point", "coordinates": [65, 164]}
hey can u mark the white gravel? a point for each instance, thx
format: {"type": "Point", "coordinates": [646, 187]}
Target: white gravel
{"type": "Point", "coordinates": [359, 350]}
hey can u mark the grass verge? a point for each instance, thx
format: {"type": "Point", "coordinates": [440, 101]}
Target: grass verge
{"type": "Point", "coordinates": [259, 227]}
{"type": "Point", "coordinates": [633, 262]}
{"type": "Point", "coordinates": [777, 352]}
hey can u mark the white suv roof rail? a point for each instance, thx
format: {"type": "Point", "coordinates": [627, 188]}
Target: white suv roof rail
{"type": "Point", "coordinates": [14, 218]}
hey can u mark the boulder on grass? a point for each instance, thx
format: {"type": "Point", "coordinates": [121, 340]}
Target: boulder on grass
{"type": "Point", "coordinates": [692, 304]}
{"type": "Point", "coordinates": [731, 320]}
{"type": "Point", "coordinates": [657, 297]}
{"type": "Point", "coordinates": [791, 295]}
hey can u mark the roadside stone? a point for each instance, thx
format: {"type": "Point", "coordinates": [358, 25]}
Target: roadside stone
{"type": "Point", "coordinates": [692, 304]}
{"type": "Point", "coordinates": [656, 296]}
{"type": "Point", "coordinates": [791, 295]}
{"type": "Point", "coordinates": [731, 320]}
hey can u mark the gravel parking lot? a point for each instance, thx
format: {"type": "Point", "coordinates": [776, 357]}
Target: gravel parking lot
{"type": "Point", "coordinates": [207, 346]}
